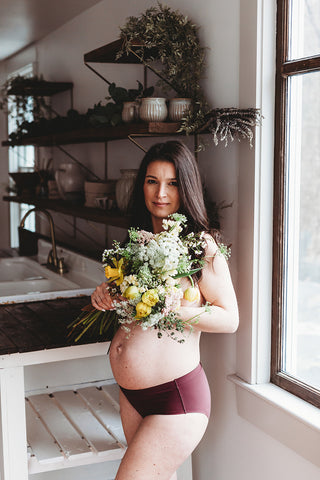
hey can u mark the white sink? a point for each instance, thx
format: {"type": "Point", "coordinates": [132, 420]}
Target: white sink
{"type": "Point", "coordinates": [26, 279]}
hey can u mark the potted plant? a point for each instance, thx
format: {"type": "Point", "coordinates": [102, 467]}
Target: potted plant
{"type": "Point", "coordinates": [182, 66]}
{"type": "Point", "coordinates": [111, 113]}
{"type": "Point", "coordinates": [178, 47]}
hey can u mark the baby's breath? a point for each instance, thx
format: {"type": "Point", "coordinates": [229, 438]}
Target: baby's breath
{"type": "Point", "coordinates": [224, 250]}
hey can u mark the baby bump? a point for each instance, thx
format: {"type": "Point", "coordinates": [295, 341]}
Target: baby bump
{"type": "Point", "coordinates": [140, 359]}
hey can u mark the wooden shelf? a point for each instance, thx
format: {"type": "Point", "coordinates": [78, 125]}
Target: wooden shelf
{"type": "Point", "coordinates": [73, 427]}
{"type": "Point", "coordinates": [113, 218]}
{"type": "Point", "coordinates": [107, 53]}
{"type": "Point", "coordinates": [101, 134]}
{"type": "Point", "coordinates": [40, 88]}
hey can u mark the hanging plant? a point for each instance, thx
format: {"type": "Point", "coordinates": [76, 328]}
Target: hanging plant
{"type": "Point", "coordinates": [21, 106]}
{"type": "Point", "coordinates": [175, 39]}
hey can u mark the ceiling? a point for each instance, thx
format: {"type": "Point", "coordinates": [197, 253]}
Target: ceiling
{"type": "Point", "coordinates": [23, 22]}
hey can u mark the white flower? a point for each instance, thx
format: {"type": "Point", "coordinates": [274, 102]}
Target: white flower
{"type": "Point", "coordinates": [151, 320]}
{"type": "Point", "coordinates": [170, 281]}
{"type": "Point", "coordinates": [128, 280]}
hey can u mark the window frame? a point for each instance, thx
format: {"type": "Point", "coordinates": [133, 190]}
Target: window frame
{"type": "Point", "coordinates": [284, 70]}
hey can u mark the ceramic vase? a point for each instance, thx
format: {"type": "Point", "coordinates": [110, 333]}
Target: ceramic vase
{"type": "Point", "coordinates": [124, 188]}
{"type": "Point", "coordinates": [70, 179]}
{"type": "Point", "coordinates": [178, 107]}
{"type": "Point", "coordinates": [153, 109]}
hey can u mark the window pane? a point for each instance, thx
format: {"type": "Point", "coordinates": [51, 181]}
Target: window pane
{"type": "Point", "coordinates": [304, 28]}
{"type": "Point", "coordinates": [21, 159]}
{"type": "Point", "coordinates": [301, 342]}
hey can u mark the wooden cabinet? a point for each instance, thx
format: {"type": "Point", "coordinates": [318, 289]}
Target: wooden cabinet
{"type": "Point", "coordinates": [54, 425]}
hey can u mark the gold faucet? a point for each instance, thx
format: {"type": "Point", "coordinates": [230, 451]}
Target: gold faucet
{"type": "Point", "coordinates": [53, 262]}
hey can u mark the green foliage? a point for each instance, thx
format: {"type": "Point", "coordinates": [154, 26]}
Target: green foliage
{"type": "Point", "coordinates": [177, 44]}
{"type": "Point", "coordinates": [120, 94]}
{"type": "Point", "coordinates": [20, 105]}
{"type": "Point", "coordinates": [34, 118]}
{"type": "Point", "coordinates": [170, 37]}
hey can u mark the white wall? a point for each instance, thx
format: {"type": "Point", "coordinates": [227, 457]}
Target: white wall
{"type": "Point", "coordinates": [232, 448]}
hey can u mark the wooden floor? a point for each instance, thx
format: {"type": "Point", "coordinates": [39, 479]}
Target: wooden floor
{"type": "Point", "coordinates": [73, 427]}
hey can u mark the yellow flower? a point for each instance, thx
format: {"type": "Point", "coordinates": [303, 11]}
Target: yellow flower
{"type": "Point", "coordinates": [131, 292]}
{"type": "Point", "coordinates": [150, 297]}
{"type": "Point", "coordinates": [191, 294]}
{"type": "Point", "coordinates": [115, 274]}
{"type": "Point", "coordinates": [143, 310]}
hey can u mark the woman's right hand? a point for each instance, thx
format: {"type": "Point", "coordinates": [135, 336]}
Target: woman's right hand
{"type": "Point", "coordinates": [101, 298]}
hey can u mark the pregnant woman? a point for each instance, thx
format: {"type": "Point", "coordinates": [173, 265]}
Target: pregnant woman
{"type": "Point", "coordinates": [164, 394]}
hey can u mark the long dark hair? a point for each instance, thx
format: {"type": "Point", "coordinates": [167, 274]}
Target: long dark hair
{"type": "Point", "coordinates": [189, 183]}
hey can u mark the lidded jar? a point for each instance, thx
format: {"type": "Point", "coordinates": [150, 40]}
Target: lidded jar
{"type": "Point", "coordinates": [153, 109]}
{"type": "Point", "coordinates": [124, 188]}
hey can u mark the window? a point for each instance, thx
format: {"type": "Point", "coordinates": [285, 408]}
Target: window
{"type": "Point", "coordinates": [295, 364]}
{"type": "Point", "coordinates": [21, 159]}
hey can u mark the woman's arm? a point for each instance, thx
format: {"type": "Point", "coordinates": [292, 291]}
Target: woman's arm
{"type": "Point", "coordinates": [216, 288]}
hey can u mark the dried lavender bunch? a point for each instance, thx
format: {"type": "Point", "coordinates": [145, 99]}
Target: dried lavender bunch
{"type": "Point", "coordinates": [225, 124]}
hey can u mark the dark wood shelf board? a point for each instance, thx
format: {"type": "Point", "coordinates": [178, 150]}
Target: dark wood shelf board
{"type": "Point", "coordinates": [107, 53]}
{"type": "Point", "coordinates": [102, 134]}
{"type": "Point", "coordinates": [41, 88]}
{"type": "Point", "coordinates": [113, 218]}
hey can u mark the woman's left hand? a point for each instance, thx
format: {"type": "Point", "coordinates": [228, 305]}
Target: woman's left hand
{"type": "Point", "coordinates": [101, 298]}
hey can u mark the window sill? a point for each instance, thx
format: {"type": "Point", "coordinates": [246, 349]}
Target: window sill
{"type": "Point", "coordinates": [287, 418]}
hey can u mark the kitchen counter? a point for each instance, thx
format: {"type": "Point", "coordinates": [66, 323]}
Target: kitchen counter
{"type": "Point", "coordinates": [32, 335]}
{"type": "Point", "coordinates": [32, 326]}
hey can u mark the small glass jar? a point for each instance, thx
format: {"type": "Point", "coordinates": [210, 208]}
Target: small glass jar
{"type": "Point", "coordinates": [153, 109]}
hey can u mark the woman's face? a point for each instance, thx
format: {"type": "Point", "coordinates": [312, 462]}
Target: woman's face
{"type": "Point", "coordinates": [161, 193]}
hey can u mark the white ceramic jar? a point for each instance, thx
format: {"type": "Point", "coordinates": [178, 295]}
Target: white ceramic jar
{"type": "Point", "coordinates": [178, 107]}
{"type": "Point", "coordinates": [124, 188]}
{"type": "Point", "coordinates": [153, 109]}
{"type": "Point", "coordinates": [130, 112]}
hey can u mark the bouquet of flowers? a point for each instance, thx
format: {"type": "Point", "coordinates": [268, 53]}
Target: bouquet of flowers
{"type": "Point", "coordinates": [143, 282]}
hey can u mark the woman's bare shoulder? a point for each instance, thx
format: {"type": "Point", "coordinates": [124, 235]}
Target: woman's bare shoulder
{"type": "Point", "coordinates": [211, 245]}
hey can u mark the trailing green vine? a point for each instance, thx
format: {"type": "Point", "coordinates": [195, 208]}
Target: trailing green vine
{"type": "Point", "coordinates": [178, 47]}
{"type": "Point", "coordinates": [21, 106]}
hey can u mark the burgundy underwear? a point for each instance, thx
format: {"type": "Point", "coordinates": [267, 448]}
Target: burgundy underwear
{"type": "Point", "coordinates": [187, 394]}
